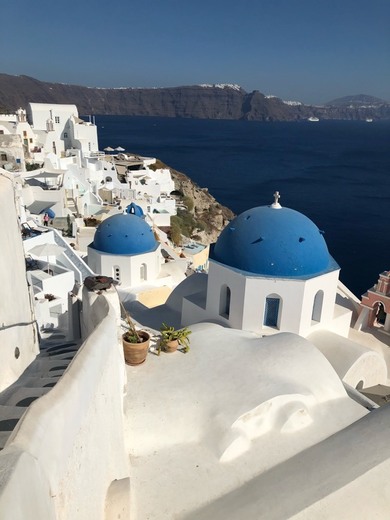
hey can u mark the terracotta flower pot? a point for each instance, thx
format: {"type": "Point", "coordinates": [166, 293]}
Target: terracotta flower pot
{"type": "Point", "coordinates": [135, 353]}
{"type": "Point", "coordinates": [171, 346]}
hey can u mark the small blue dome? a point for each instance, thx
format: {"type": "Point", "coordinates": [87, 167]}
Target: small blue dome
{"type": "Point", "coordinates": [273, 241]}
{"type": "Point", "coordinates": [134, 209]}
{"type": "Point", "coordinates": [124, 235]}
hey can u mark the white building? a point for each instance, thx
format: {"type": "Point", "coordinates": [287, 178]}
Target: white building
{"type": "Point", "coordinates": [152, 190]}
{"type": "Point", "coordinates": [63, 127]}
{"type": "Point", "coordinates": [16, 138]}
{"type": "Point", "coordinates": [81, 179]}
{"type": "Point", "coordinates": [125, 248]}
{"type": "Point", "coordinates": [270, 271]}
{"type": "Point", "coordinates": [47, 130]}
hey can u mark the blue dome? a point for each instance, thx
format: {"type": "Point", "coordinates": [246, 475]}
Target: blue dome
{"type": "Point", "coordinates": [272, 241]}
{"type": "Point", "coordinates": [133, 209]}
{"type": "Point", "coordinates": [124, 235]}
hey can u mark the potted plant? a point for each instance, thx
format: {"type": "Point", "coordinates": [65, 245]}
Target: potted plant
{"type": "Point", "coordinates": [171, 338]}
{"type": "Point", "coordinates": [135, 342]}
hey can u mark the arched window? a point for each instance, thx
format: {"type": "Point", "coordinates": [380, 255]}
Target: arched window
{"type": "Point", "coordinates": [380, 313]}
{"type": "Point", "coordinates": [317, 306]}
{"type": "Point", "coordinates": [116, 273]}
{"type": "Point", "coordinates": [143, 272]}
{"type": "Point", "coordinates": [224, 301]}
{"type": "Point", "coordinates": [272, 311]}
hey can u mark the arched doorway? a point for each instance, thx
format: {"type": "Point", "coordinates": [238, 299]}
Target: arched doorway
{"type": "Point", "coordinates": [143, 272]}
{"type": "Point", "coordinates": [224, 301]}
{"type": "Point", "coordinates": [317, 306]}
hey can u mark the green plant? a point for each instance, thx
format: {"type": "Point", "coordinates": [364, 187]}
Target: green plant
{"type": "Point", "coordinates": [90, 221]}
{"type": "Point", "coordinates": [175, 232]}
{"type": "Point", "coordinates": [32, 166]}
{"type": "Point", "coordinates": [183, 222]}
{"type": "Point", "coordinates": [131, 335]}
{"type": "Point", "coordinates": [169, 333]}
{"type": "Point", "coordinates": [188, 203]}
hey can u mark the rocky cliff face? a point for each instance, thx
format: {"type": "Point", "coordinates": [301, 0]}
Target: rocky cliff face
{"type": "Point", "coordinates": [210, 216]}
{"type": "Point", "coordinates": [203, 102]}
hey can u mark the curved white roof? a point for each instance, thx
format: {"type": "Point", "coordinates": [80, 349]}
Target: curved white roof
{"type": "Point", "coordinates": [231, 409]}
{"type": "Point", "coordinates": [353, 362]}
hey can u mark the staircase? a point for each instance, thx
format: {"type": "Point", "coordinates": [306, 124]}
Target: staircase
{"type": "Point", "coordinates": [73, 261]}
{"type": "Point", "coordinates": [38, 379]}
{"type": "Point", "coordinates": [71, 203]}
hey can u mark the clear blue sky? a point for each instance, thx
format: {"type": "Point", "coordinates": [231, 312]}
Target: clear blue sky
{"type": "Point", "coordinates": [307, 50]}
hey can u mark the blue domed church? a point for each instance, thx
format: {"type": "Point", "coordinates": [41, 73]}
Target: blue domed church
{"type": "Point", "coordinates": [270, 270]}
{"type": "Point", "coordinates": [125, 248]}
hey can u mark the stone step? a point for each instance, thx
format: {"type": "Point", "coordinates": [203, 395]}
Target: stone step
{"type": "Point", "coordinates": [23, 397]}
{"type": "Point", "coordinates": [10, 412]}
{"type": "Point", "coordinates": [56, 353]}
{"type": "Point", "coordinates": [9, 418]}
{"type": "Point", "coordinates": [4, 436]}
{"type": "Point", "coordinates": [41, 382]}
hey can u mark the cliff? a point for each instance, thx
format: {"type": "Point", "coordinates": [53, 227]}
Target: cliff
{"type": "Point", "coordinates": [202, 216]}
{"type": "Point", "coordinates": [199, 101]}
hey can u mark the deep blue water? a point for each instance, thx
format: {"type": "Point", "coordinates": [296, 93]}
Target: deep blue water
{"type": "Point", "coordinates": [335, 172]}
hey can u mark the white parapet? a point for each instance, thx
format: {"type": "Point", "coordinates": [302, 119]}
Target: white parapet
{"type": "Point", "coordinates": [66, 459]}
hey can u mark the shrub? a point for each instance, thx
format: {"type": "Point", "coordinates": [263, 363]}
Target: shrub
{"type": "Point", "coordinates": [32, 166]}
{"type": "Point", "coordinates": [189, 203]}
{"type": "Point", "coordinates": [185, 224]}
{"type": "Point", "coordinates": [175, 232]}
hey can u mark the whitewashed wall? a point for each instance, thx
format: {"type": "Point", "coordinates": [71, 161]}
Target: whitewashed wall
{"type": "Point", "coordinates": [11, 145]}
{"type": "Point", "coordinates": [17, 321]}
{"type": "Point", "coordinates": [39, 113]}
{"type": "Point", "coordinates": [67, 460]}
{"type": "Point", "coordinates": [84, 136]}
{"type": "Point", "coordinates": [248, 297]}
{"type": "Point", "coordinates": [129, 265]}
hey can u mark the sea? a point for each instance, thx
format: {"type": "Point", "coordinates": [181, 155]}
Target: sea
{"type": "Point", "coordinates": [335, 172]}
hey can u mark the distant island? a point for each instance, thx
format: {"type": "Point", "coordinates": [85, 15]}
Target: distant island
{"type": "Point", "coordinates": [222, 101]}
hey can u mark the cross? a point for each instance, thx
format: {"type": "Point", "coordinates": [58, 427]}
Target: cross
{"type": "Point", "coordinates": [276, 197]}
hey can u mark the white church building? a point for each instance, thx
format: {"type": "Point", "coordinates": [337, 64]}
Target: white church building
{"type": "Point", "coordinates": [125, 248]}
{"type": "Point", "coordinates": [270, 271]}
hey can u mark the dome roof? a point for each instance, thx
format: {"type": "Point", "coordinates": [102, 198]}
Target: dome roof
{"type": "Point", "coordinates": [274, 241]}
{"type": "Point", "coordinates": [124, 235]}
{"type": "Point", "coordinates": [133, 209]}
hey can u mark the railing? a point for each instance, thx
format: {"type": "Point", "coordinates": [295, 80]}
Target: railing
{"type": "Point", "coordinates": [81, 269]}
{"type": "Point", "coordinates": [93, 155]}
